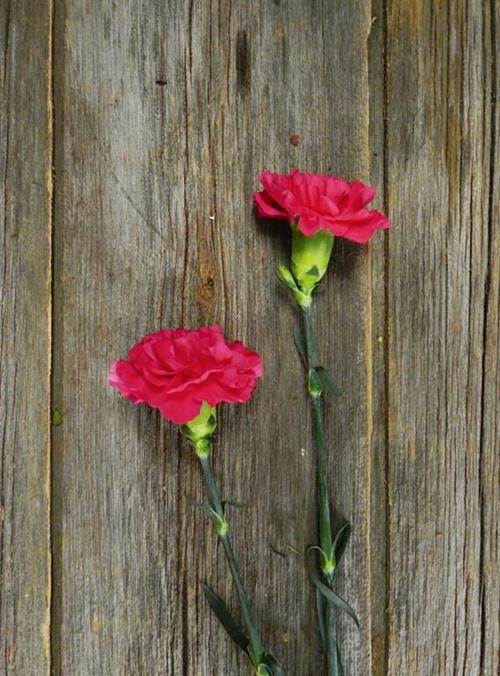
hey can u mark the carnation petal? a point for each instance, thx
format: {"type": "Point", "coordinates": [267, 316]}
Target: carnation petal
{"type": "Point", "coordinates": [267, 208]}
{"type": "Point", "coordinates": [180, 410]}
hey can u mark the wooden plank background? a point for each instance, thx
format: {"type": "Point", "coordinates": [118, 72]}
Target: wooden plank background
{"type": "Point", "coordinates": [25, 336]}
{"type": "Point", "coordinates": [131, 134]}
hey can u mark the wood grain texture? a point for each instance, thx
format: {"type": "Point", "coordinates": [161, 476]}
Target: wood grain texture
{"type": "Point", "coordinates": [490, 439]}
{"type": "Point", "coordinates": [441, 389]}
{"type": "Point", "coordinates": [378, 249]}
{"type": "Point", "coordinates": [155, 228]}
{"type": "Point", "coordinates": [25, 244]}
{"type": "Point", "coordinates": [164, 113]}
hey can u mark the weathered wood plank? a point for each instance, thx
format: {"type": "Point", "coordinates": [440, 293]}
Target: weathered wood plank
{"type": "Point", "coordinates": [441, 538]}
{"type": "Point", "coordinates": [490, 440]}
{"type": "Point", "coordinates": [378, 473]}
{"type": "Point", "coordinates": [164, 116]}
{"type": "Point", "coordinates": [154, 227]}
{"type": "Point", "coordinates": [347, 316]}
{"type": "Point", "coordinates": [25, 234]}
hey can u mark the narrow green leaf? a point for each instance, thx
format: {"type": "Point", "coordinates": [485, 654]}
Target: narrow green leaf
{"type": "Point", "coordinates": [329, 594]}
{"type": "Point", "coordinates": [272, 665]}
{"type": "Point", "coordinates": [320, 609]}
{"type": "Point", "coordinates": [57, 417]}
{"type": "Point", "coordinates": [337, 600]}
{"type": "Point", "coordinates": [327, 382]}
{"type": "Point", "coordinates": [300, 343]}
{"type": "Point", "coordinates": [341, 540]}
{"type": "Point", "coordinates": [224, 616]}
{"type": "Point", "coordinates": [287, 278]}
{"type": "Point", "coordinates": [343, 605]}
{"type": "Point", "coordinates": [211, 513]}
{"type": "Point", "coordinates": [252, 655]}
{"type": "Point", "coordinates": [235, 503]}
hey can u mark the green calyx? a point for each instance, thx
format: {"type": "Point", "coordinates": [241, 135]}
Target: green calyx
{"type": "Point", "coordinates": [200, 430]}
{"type": "Point", "coordinates": [286, 276]}
{"type": "Point", "coordinates": [310, 257]}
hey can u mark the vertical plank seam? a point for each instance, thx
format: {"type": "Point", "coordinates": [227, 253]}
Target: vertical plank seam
{"type": "Point", "coordinates": [460, 603]}
{"type": "Point", "coordinates": [7, 141]}
{"type": "Point", "coordinates": [46, 628]}
{"type": "Point", "coordinates": [487, 282]}
{"type": "Point", "coordinates": [6, 86]}
{"type": "Point", "coordinates": [58, 50]}
{"type": "Point", "coordinates": [369, 435]}
{"type": "Point", "coordinates": [369, 351]}
{"type": "Point", "coordinates": [386, 204]}
{"type": "Point", "coordinates": [182, 558]}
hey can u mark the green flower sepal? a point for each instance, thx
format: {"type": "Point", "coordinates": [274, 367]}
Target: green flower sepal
{"type": "Point", "coordinates": [302, 299]}
{"type": "Point", "coordinates": [310, 257]}
{"type": "Point", "coordinates": [200, 430]}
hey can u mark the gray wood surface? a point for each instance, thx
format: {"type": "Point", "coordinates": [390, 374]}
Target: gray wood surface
{"type": "Point", "coordinates": [25, 328]}
{"type": "Point", "coordinates": [440, 279]}
{"type": "Point", "coordinates": [164, 113]}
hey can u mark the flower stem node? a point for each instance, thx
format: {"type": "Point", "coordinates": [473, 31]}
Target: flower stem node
{"type": "Point", "coordinates": [200, 430]}
{"type": "Point", "coordinates": [302, 299]}
{"type": "Point", "coordinates": [310, 257]}
{"type": "Point", "coordinates": [314, 384]}
{"type": "Point", "coordinates": [328, 566]}
{"type": "Point", "coordinates": [221, 527]}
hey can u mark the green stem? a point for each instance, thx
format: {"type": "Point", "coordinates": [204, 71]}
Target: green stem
{"type": "Point", "coordinates": [225, 538]}
{"type": "Point", "coordinates": [324, 523]}
{"type": "Point", "coordinates": [325, 528]}
{"type": "Point", "coordinates": [331, 633]}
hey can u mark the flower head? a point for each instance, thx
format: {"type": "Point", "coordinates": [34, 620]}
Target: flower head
{"type": "Point", "coordinates": [178, 370]}
{"type": "Point", "coordinates": [316, 202]}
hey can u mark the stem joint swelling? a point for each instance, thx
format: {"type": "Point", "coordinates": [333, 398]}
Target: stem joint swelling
{"type": "Point", "coordinates": [221, 527]}
{"type": "Point", "coordinates": [328, 567]}
{"type": "Point", "coordinates": [314, 386]}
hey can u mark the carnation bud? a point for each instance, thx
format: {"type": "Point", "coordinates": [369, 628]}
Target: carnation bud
{"type": "Point", "coordinates": [200, 430]}
{"type": "Point", "coordinates": [310, 257]}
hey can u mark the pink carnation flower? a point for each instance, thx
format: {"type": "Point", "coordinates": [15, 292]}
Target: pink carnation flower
{"type": "Point", "coordinates": [177, 370]}
{"type": "Point", "coordinates": [318, 202]}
